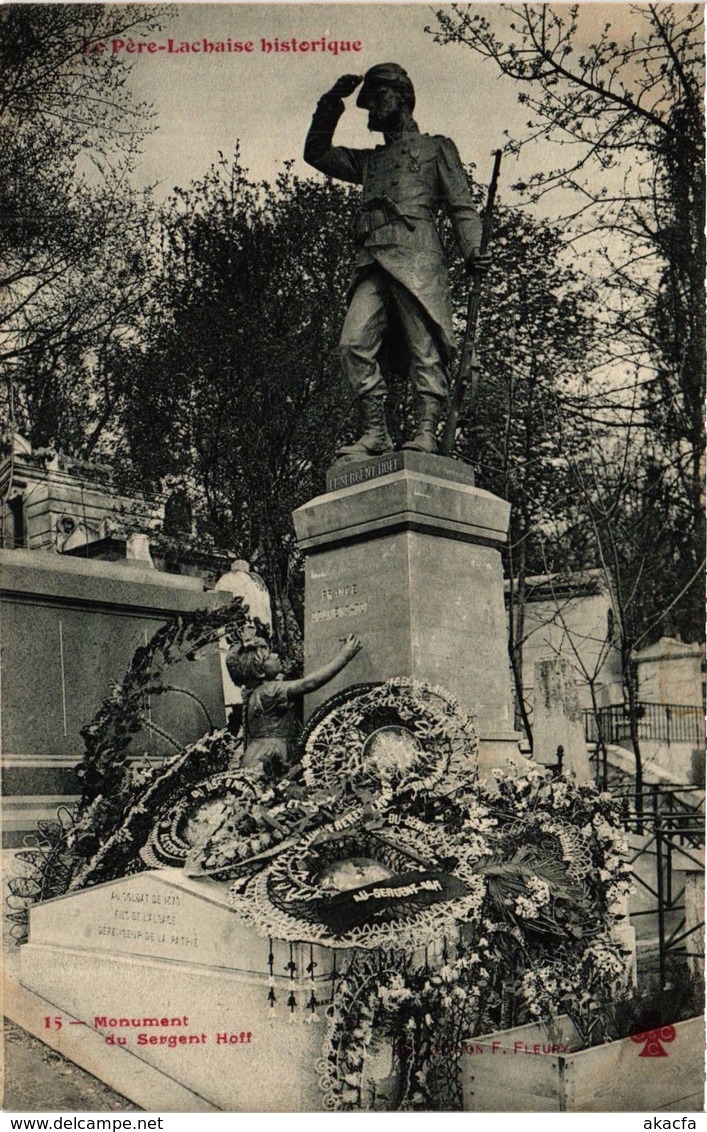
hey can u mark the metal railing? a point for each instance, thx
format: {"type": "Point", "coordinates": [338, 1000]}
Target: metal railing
{"type": "Point", "coordinates": [668, 723]}
{"type": "Point", "coordinates": [672, 818]}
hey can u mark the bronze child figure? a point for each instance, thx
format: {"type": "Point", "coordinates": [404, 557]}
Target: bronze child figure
{"type": "Point", "coordinates": [400, 257]}
{"type": "Point", "coordinates": [270, 726]}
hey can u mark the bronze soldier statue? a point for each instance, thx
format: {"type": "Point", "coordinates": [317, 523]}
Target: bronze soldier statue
{"type": "Point", "coordinates": [400, 258]}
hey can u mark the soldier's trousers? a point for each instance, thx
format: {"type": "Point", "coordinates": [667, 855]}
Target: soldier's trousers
{"type": "Point", "coordinates": [362, 336]}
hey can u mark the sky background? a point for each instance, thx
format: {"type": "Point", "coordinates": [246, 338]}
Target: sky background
{"type": "Point", "coordinates": [205, 103]}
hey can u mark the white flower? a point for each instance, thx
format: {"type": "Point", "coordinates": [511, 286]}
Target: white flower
{"type": "Point", "coordinates": [540, 889]}
{"type": "Point", "coordinates": [525, 908]}
{"type": "Point", "coordinates": [560, 792]}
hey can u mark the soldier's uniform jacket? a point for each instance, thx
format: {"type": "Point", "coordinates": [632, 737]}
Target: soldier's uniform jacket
{"type": "Point", "coordinates": [404, 183]}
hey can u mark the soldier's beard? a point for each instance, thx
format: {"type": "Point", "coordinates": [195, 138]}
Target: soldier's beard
{"type": "Point", "coordinates": [383, 123]}
{"type": "Point", "coordinates": [391, 121]}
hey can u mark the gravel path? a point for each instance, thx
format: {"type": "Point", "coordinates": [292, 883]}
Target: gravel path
{"type": "Point", "coordinates": [37, 1079]}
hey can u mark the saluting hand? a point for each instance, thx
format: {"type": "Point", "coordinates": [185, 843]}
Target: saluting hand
{"type": "Point", "coordinates": [345, 86]}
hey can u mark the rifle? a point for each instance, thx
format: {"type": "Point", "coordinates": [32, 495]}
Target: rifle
{"type": "Point", "coordinates": [466, 364]}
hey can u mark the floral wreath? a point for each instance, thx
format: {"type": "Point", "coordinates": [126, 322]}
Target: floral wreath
{"type": "Point", "coordinates": [550, 857]}
{"type": "Point", "coordinates": [185, 817]}
{"type": "Point", "coordinates": [465, 908]}
{"type": "Point", "coordinates": [338, 853]}
{"type": "Point", "coordinates": [403, 735]}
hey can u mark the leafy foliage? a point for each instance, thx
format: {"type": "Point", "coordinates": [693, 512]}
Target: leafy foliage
{"type": "Point", "coordinates": [621, 109]}
{"type": "Point", "coordinates": [74, 246]}
{"type": "Point", "coordinates": [237, 388]}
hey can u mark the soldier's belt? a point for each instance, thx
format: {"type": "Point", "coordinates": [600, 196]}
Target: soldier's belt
{"type": "Point", "coordinates": [375, 215]}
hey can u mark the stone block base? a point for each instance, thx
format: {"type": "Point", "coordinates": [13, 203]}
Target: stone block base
{"type": "Point", "coordinates": [231, 1050]}
{"type": "Point", "coordinates": [404, 550]}
{"type": "Point", "coordinates": [159, 967]}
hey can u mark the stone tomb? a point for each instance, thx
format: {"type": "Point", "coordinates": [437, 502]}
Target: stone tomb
{"type": "Point", "coordinates": [407, 555]}
{"type": "Point", "coordinates": [169, 952]}
{"type": "Point", "coordinates": [405, 552]}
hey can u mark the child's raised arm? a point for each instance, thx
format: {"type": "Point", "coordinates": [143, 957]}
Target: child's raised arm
{"type": "Point", "coordinates": [310, 683]}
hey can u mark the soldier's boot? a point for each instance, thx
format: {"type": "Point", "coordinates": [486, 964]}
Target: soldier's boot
{"type": "Point", "coordinates": [375, 439]}
{"type": "Point", "coordinates": [429, 410]}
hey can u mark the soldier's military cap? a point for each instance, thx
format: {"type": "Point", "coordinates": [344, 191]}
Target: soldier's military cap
{"type": "Point", "coordinates": [385, 74]}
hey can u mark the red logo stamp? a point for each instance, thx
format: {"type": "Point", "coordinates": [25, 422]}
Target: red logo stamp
{"type": "Point", "coordinates": [653, 1038]}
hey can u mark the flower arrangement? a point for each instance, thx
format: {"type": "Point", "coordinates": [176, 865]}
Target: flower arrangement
{"type": "Point", "coordinates": [538, 944]}
{"type": "Point", "coordinates": [459, 907]}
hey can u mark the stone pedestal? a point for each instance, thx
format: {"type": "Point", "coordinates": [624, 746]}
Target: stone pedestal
{"type": "Point", "coordinates": [405, 552]}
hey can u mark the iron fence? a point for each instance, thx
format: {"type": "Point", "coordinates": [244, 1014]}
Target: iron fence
{"type": "Point", "coordinates": [667, 723]}
{"type": "Point", "coordinates": [672, 819]}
